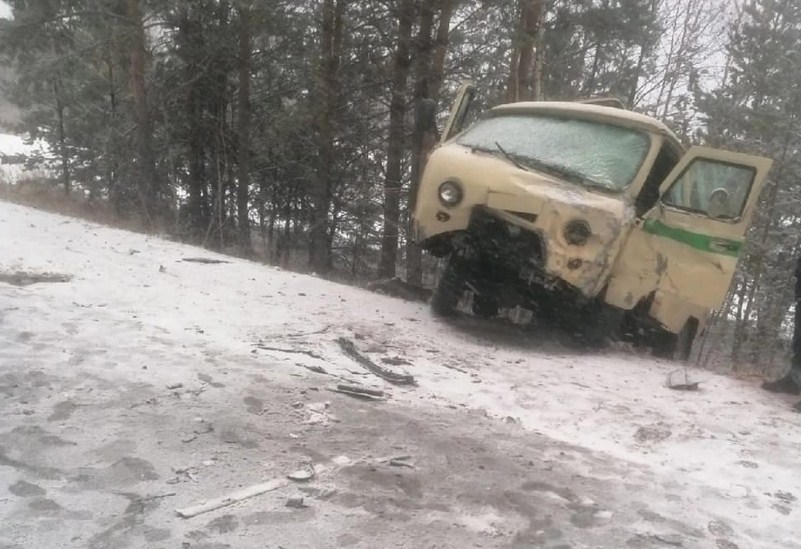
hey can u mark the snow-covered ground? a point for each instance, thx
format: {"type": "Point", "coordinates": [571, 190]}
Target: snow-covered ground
{"type": "Point", "coordinates": [137, 379]}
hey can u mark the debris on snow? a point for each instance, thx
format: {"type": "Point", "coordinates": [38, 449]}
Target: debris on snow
{"type": "Point", "coordinates": [402, 463]}
{"type": "Point", "coordinates": [395, 361]}
{"type": "Point", "coordinates": [315, 369]}
{"type": "Point", "coordinates": [188, 474]}
{"type": "Point", "coordinates": [668, 539]}
{"type": "Point", "coordinates": [681, 385]}
{"type": "Point", "coordinates": [388, 459]}
{"type": "Point", "coordinates": [361, 390]}
{"type": "Point", "coordinates": [350, 349]}
{"type": "Point", "coordinates": [239, 495]}
{"type": "Point", "coordinates": [358, 392]}
{"type": "Point", "coordinates": [289, 351]}
{"type": "Point", "coordinates": [21, 278]}
{"type": "Point", "coordinates": [306, 334]}
{"type": "Point", "coordinates": [296, 503]}
{"type": "Point", "coordinates": [204, 260]}
{"type": "Point", "coordinates": [302, 475]}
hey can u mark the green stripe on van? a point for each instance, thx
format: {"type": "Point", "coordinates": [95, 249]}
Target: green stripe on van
{"type": "Point", "coordinates": [702, 242]}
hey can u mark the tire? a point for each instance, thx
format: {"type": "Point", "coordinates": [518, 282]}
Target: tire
{"type": "Point", "coordinates": [449, 290]}
{"type": "Point", "coordinates": [485, 306]}
{"type": "Point", "coordinates": [599, 323]}
{"type": "Point", "coordinates": [664, 344]}
{"type": "Point", "coordinates": [672, 346]}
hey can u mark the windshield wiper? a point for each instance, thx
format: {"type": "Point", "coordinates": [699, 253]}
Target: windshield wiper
{"type": "Point", "coordinates": [510, 158]}
{"type": "Point", "coordinates": [573, 175]}
{"type": "Point", "coordinates": [567, 173]}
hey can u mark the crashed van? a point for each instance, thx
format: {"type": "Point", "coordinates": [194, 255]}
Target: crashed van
{"type": "Point", "coordinates": [587, 214]}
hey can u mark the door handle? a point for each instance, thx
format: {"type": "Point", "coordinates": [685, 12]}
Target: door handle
{"type": "Point", "coordinates": [723, 245]}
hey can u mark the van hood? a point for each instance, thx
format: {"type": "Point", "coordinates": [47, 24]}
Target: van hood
{"type": "Point", "coordinates": [509, 188]}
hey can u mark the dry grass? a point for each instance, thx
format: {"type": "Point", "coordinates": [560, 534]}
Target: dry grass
{"type": "Point", "coordinates": [45, 195]}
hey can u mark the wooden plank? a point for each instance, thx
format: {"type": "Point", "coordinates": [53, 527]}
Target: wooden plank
{"type": "Point", "coordinates": [230, 499]}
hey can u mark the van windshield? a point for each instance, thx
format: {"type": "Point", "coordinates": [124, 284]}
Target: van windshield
{"type": "Point", "coordinates": [590, 153]}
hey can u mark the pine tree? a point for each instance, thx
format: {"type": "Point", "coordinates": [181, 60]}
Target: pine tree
{"type": "Point", "coordinates": [758, 109]}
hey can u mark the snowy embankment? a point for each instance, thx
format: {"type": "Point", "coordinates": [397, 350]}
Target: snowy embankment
{"type": "Point", "coordinates": [730, 452]}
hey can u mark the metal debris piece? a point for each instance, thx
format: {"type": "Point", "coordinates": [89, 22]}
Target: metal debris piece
{"type": "Point", "coordinates": [204, 260]}
{"type": "Point", "coordinates": [289, 351]}
{"type": "Point", "coordinates": [302, 475]}
{"type": "Point", "coordinates": [681, 385]}
{"type": "Point", "coordinates": [349, 349]}
{"type": "Point", "coordinates": [360, 389]}
{"type": "Point", "coordinates": [240, 495]}
{"type": "Point", "coordinates": [296, 503]}
{"type": "Point", "coordinates": [354, 393]}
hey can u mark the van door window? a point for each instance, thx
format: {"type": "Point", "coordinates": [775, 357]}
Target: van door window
{"type": "Point", "coordinates": [717, 189]}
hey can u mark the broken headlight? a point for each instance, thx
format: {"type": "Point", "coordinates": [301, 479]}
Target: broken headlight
{"type": "Point", "coordinates": [577, 232]}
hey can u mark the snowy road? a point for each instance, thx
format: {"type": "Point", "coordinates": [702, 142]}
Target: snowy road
{"type": "Point", "coordinates": [132, 385]}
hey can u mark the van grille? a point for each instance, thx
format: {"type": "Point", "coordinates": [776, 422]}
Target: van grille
{"type": "Point", "coordinates": [530, 217]}
{"type": "Point", "coordinates": [504, 243]}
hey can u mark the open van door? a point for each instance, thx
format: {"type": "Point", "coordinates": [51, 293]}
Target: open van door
{"type": "Point", "coordinates": [459, 111]}
{"type": "Point", "coordinates": [685, 249]}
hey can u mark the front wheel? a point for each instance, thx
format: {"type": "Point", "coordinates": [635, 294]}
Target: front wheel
{"type": "Point", "coordinates": [599, 324]}
{"type": "Point", "coordinates": [450, 288]}
{"type": "Point", "coordinates": [485, 306]}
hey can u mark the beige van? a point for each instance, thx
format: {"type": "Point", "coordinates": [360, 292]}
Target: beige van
{"type": "Point", "coordinates": [589, 214]}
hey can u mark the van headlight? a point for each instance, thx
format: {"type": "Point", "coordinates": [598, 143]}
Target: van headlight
{"type": "Point", "coordinates": [577, 232]}
{"type": "Point", "coordinates": [450, 194]}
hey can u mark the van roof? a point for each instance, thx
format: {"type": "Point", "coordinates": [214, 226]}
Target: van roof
{"type": "Point", "coordinates": [619, 117]}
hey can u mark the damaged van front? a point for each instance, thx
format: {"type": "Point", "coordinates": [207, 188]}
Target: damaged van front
{"type": "Point", "coordinates": [538, 203]}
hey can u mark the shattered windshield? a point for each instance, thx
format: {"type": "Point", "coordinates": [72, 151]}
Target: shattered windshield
{"type": "Point", "coordinates": [589, 153]}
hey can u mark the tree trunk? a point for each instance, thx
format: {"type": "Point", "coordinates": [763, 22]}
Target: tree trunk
{"type": "Point", "coordinates": [430, 73]}
{"type": "Point", "coordinates": [531, 20]}
{"type": "Point", "coordinates": [62, 138]}
{"type": "Point", "coordinates": [589, 84]}
{"type": "Point", "coordinates": [638, 71]}
{"type": "Point", "coordinates": [112, 150]}
{"type": "Point", "coordinates": [328, 91]}
{"type": "Point", "coordinates": [520, 85]}
{"type": "Point", "coordinates": [190, 38]}
{"type": "Point", "coordinates": [441, 43]}
{"type": "Point", "coordinates": [397, 113]}
{"type": "Point", "coordinates": [636, 78]}
{"type": "Point", "coordinates": [539, 58]}
{"type": "Point", "coordinates": [245, 53]}
{"type": "Point", "coordinates": [146, 163]}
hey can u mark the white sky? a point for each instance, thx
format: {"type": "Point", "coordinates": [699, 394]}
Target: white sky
{"type": "Point", "coordinates": [5, 10]}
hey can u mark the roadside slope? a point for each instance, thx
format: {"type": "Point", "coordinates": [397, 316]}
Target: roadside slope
{"type": "Point", "coordinates": [595, 444]}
